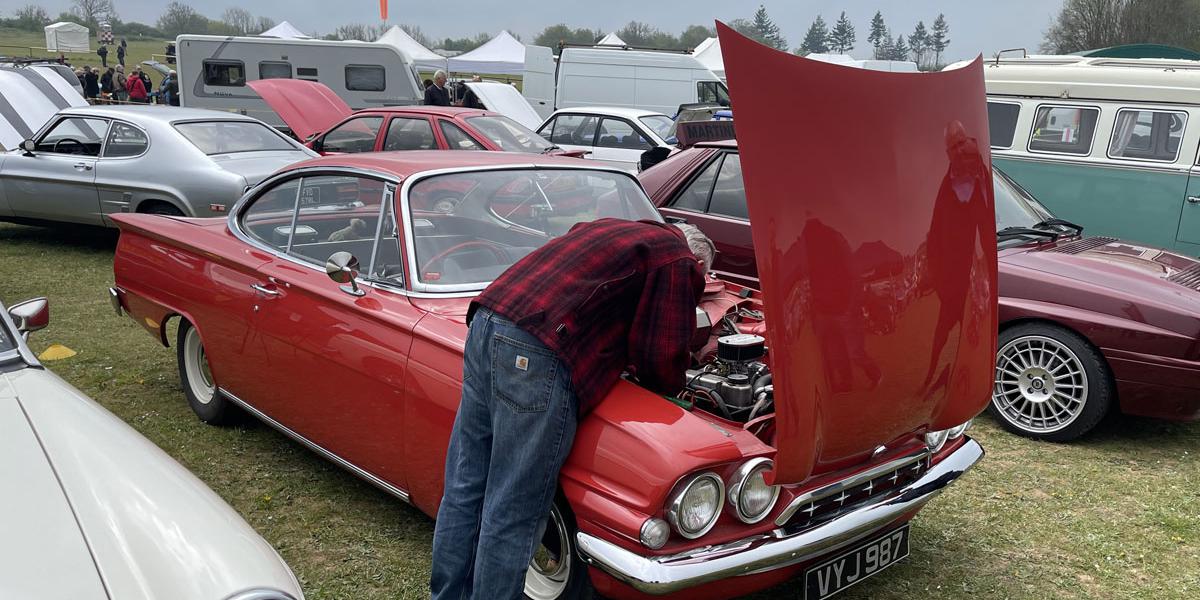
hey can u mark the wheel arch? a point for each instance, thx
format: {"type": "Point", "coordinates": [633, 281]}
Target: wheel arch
{"type": "Point", "coordinates": [1107, 367]}
{"type": "Point", "coordinates": [141, 205]}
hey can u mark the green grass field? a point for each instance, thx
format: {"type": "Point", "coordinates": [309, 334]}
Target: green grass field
{"type": "Point", "coordinates": [18, 43]}
{"type": "Point", "coordinates": [1116, 516]}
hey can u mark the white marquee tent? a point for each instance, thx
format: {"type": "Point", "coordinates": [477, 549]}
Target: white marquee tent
{"type": "Point", "coordinates": [65, 36]}
{"type": "Point", "coordinates": [422, 57]}
{"type": "Point", "coordinates": [709, 55]}
{"type": "Point", "coordinates": [285, 30]}
{"type": "Point", "coordinates": [503, 54]}
{"type": "Point", "coordinates": [611, 40]}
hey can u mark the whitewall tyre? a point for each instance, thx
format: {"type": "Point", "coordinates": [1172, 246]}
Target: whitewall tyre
{"type": "Point", "coordinates": [557, 572]}
{"type": "Point", "coordinates": [198, 384]}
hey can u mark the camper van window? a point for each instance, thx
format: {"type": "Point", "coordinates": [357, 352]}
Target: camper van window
{"type": "Point", "coordinates": [1147, 135]}
{"type": "Point", "coordinates": [229, 73]}
{"type": "Point", "coordinates": [365, 78]}
{"type": "Point", "coordinates": [456, 138]}
{"type": "Point", "coordinates": [1064, 129]}
{"type": "Point", "coordinates": [307, 73]}
{"type": "Point", "coordinates": [1002, 123]}
{"type": "Point", "coordinates": [355, 135]}
{"type": "Point", "coordinates": [274, 70]}
{"type": "Point", "coordinates": [409, 134]}
{"type": "Point", "coordinates": [227, 137]}
{"type": "Point", "coordinates": [575, 130]}
{"type": "Point", "coordinates": [616, 133]}
{"type": "Point", "coordinates": [713, 92]}
{"type": "Point", "coordinates": [124, 141]}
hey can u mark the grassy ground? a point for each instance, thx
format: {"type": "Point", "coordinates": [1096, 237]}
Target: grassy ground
{"type": "Point", "coordinates": [18, 43]}
{"type": "Point", "coordinates": [1113, 517]}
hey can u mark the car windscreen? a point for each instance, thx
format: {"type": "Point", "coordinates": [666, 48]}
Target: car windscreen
{"type": "Point", "coordinates": [660, 124]}
{"type": "Point", "coordinates": [468, 227]}
{"type": "Point", "coordinates": [226, 137]}
{"type": "Point", "coordinates": [1014, 206]}
{"type": "Point", "coordinates": [510, 135]}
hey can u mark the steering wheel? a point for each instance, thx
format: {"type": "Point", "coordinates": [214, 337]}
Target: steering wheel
{"type": "Point", "coordinates": [66, 139]}
{"type": "Point", "coordinates": [497, 251]}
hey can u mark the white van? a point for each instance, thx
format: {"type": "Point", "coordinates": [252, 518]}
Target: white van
{"type": "Point", "coordinates": [652, 80]}
{"type": "Point", "coordinates": [213, 71]}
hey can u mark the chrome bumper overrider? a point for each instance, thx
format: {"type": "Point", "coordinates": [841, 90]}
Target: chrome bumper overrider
{"type": "Point", "coordinates": [775, 549]}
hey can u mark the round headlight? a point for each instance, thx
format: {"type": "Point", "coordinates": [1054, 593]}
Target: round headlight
{"type": "Point", "coordinates": [749, 495]}
{"type": "Point", "coordinates": [695, 508]}
{"type": "Point", "coordinates": [936, 439]}
{"type": "Point", "coordinates": [957, 432]}
{"type": "Point", "coordinates": [655, 533]}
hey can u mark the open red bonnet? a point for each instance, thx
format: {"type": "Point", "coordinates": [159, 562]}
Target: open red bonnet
{"type": "Point", "coordinates": [307, 107]}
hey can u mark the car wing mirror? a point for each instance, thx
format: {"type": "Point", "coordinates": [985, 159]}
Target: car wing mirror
{"type": "Point", "coordinates": [31, 315]}
{"type": "Point", "coordinates": [28, 146]}
{"type": "Point", "coordinates": [342, 268]}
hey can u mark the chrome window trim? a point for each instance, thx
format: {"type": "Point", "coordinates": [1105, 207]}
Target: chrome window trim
{"type": "Point", "coordinates": [415, 284]}
{"type": "Point", "coordinates": [1091, 143]}
{"type": "Point", "coordinates": [112, 122]}
{"type": "Point", "coordinates": [1117, 118]}
{"type": "Point", "coordinates": [1014, 133]}
{"type": "Point", "coordinates": [849, 482]}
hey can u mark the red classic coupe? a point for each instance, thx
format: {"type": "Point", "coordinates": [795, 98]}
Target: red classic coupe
{"type": "Point", "coordinates": [1088, 325]}
{"type": "Point", "coordinates": [804, 439]}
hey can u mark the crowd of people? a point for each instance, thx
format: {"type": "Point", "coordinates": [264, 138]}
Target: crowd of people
{"type": "Point", "coordinates": [111, 85]}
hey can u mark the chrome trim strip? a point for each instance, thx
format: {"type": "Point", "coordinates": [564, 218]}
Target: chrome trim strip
{"type": "Point", "coordinates": [849, 482]}
{"type": "Point", "coordinates": [114, 298]}
{"type": "Point", "coordinates": [339, 461]}
{"type": "Point", "coordinates": [774, 549]}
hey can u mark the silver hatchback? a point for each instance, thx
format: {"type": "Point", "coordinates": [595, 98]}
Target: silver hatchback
{"type": "Point", "coordinates": [89, 162]}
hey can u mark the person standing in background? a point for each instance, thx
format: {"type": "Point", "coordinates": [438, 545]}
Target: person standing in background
{"type": "Point", "coordinates": [172, 88]}
{"type": "Point", "coordinates": [91, 85]}
{"type": "Point", "coordinates": [121, 52]}
{"type": "Point", "coordinates": [120, 85]}
{"type": "Point", "coordinates": [106, 85]}
{"type": "Point", "coordinates": [437, 94]}
{"type": "Point", "coordinates": [137, 87]}
{"type": "Point", "coordinates": [103, 52]}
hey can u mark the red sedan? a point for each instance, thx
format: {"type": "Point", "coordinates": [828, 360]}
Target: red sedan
{"type": "Point", "coordinates": [1088, 325]}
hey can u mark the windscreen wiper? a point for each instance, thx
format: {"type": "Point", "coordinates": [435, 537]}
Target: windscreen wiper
{"type": "Point", "coordinates": [550, 149]}
{"type": "Point", "coordinates": [1056, 222]}
{"type": "Point", "coordinates": [1027, 231]}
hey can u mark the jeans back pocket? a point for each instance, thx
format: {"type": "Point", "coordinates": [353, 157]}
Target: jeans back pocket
{"type": "Point", "coordinates": [523, 374]}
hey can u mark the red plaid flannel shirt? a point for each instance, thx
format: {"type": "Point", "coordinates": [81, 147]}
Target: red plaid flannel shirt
{"type": "Point", "coordinates": [610, 295]}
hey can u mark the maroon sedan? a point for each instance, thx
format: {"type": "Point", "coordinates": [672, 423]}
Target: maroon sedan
{"type": "Point", "coordinates": [1088, 325]}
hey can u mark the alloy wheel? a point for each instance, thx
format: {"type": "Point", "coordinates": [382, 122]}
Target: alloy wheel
{"type": "Point", "coordinates": [1040, 384]}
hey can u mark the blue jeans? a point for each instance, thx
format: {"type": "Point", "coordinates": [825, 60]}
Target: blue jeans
{"type": "Point", "coordinates": [515, 426]}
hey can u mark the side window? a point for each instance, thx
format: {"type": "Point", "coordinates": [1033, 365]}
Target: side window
{"type": "Point", "coordinates": [125, 140]}
{"type": "Point", "coordinates": [75, 135]}
{"type": "Point", "coordinates": [1002, 123]}
{"type": "Point", "coordinates": [355, 135]}
{"type": "Point", "coordinates": [729, 194]}
{"type": "Point", "coordinates": [366, 78]}
{"type": "Point", "coordinates": [456, 138]}
{"type": "Point", "coordinates": [274, 70]}
{"type": "Point", "coordinates": [615, 133]}
{"type": "Point", "coordinates": [576, 130]}
{"type": "Point", "coordinates": [409, 134]}
{"type": "Point", "coordinates": [1064, 129]}
{"type": "Point", "coordinates": [307, 74]}
{"type": "Point", "coordinates": [547, 129]}
{"type": "Point", "coordinates": [269, 218]}
{"type": "Point", "coordinates": [1147, 135]}
{"type": "Point", "coordinates": [228, 73]}
{"type": "Point", "coordinates": [337, 213]}
{"type": "Point", "coordinates": [695, 195]}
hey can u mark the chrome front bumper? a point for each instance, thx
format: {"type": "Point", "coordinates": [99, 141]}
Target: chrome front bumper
{"type": "Point", "coordinates": [775, 549]}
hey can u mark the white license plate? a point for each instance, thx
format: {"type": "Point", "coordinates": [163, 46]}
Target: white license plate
{"type": "Point", "coordinates": [835, 575]}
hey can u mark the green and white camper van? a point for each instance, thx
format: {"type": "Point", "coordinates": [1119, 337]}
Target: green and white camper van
{"type": "Point", "coordinates": [1108, 143]}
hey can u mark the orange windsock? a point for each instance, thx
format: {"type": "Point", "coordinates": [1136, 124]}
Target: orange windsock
{"type": "Point", "coordinates": [383, 9]}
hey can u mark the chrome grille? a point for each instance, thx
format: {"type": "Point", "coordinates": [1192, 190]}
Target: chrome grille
{"type": "Point", "coordinates": [1082, 245]}
{"type": "Point", "coordinates": [1189, 277]}
{"type": "Point", "coordinates": [830, 501]}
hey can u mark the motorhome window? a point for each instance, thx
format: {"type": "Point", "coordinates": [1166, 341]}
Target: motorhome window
{"type": "Point", "coordinates": [355, 135]}
{"type": "Point", "coordinates": [1064, 129]}
{"type": "Point", "coordinates": [508, 134]}
{"type": "Point", "coordinates": [307, 73]}
{"type": "Point", "coordinates": [409, 134]}
{"type": "Point", "coordinates": [695, 196]}
{"type": "Point", "coordinates": [456, 138]}
{"type": "Point", "coordinates": [228, 73]}
{"type": "Point", "coordinates": [1147, 135]}
{"type": "Point", "coordinates": [75, 135]}
{"type": "Point", "coordinates": [125, 140]}
{"type": "Point", "coordinates": [1002, 123]}
{"type": "Point", "coordinates": [617, 133]}
{"type": "Point", "coordinates": [274, 70]}
{"type": "Point", "coordinates": [729, 194]}
{"type": "Point", "coordinates": [228, 137]}
{"type": "Point", "coordinates": [365, 78]}
{"type": "Point", "coordinates": [712, 92]}
{"type": "Point", "coordinates": [575, 130]}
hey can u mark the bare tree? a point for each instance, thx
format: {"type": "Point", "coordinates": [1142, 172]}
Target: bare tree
{"type": "Point", "coordinates": [180, 18]}
{"type": "Point", "coordinates": [239, 20]}
{"type": "Point", "coordinates": [1090, 24]}
{"type": "Point", "coordinates": [31, 17]}
{"type": "Point", "coordinates": [91, 12]}
{"type": "Point", "coordinates": [357, 31]}
{"type": "Point", "coordinates": [263, 24]}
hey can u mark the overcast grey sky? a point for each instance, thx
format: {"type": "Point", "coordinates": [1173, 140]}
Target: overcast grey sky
{"type": "Point", "coordinates": [975, 25]}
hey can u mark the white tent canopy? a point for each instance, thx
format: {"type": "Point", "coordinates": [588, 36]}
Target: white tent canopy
{"type": "Point", "coordinates": [709, 55]}
{"type": "Point", "coordinates": [422, 57]}
{"type": "Point", "coordinates": [65, 36]}
{"type": "Point", "coordinates": [287, 31]}
{"type": "Point", "coordinates": [611, 40]}
{"type": "Point", "coordinates": [503, 54]}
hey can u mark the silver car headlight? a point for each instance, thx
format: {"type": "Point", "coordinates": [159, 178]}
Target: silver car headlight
{"type": "Point", "coordinates": [957, 432]}
{"type": "Point", "coordinates": [655, 533]}
{"type": "Point", "coordinates": [935, 440]}
{"type": "Point", "coordinates": [749, 495]}
{"type": "Point", "coordinates": [694, 510]}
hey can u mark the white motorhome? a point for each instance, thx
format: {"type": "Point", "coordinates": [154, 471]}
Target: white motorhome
{"type": "Point", "coordinates": [213, 71]}
{"type": "Point", "coordinates": [652, 80]}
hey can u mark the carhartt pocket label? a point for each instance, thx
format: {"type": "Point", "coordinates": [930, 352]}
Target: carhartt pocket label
{"type": "Point", "coordinates": [522, 363]}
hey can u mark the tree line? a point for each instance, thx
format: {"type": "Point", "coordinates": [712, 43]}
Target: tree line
{"type": "Point", "coordinates": [924, 46]}
{"type": "Point", "coordinates": [177, 18]}
{"type": "Point", "coordinates": [1092, 24]}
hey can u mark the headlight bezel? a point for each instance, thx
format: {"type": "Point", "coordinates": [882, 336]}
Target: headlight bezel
{"type": "Point", "coordinates": [936, 440]}
{"type": "Point", "coordinates": [737, 484]}
{"type": "Point", "coordinates": [643, 535]}
{"type": "Point", "coordinates": [959, 430]}
{"type": "Point", "coordinates": [676, 505]}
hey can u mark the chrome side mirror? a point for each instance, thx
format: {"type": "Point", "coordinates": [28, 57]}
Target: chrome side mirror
{"type": "Point", "coordinates": [28, 146]}
{"type": "Point", "coordinates": [30, 315]}
{"type": "Point", "coordinates": [342, 267]}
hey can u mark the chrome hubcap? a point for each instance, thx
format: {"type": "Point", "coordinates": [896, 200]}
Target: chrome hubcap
{"type": "Point", "coordinates": [550, 569]}
{"type": "Point", "coordinates": [195, 362]}
{"type": "Point", "coordinates": [1040, 384]}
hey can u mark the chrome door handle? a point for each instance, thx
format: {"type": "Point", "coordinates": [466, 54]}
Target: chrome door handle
{"type": "Point", "coordinates": [1194, 199]}
{"type": "Point", "coordinates": [264, 290]}
{"type": "Point", "coordinates": [83, 167]}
